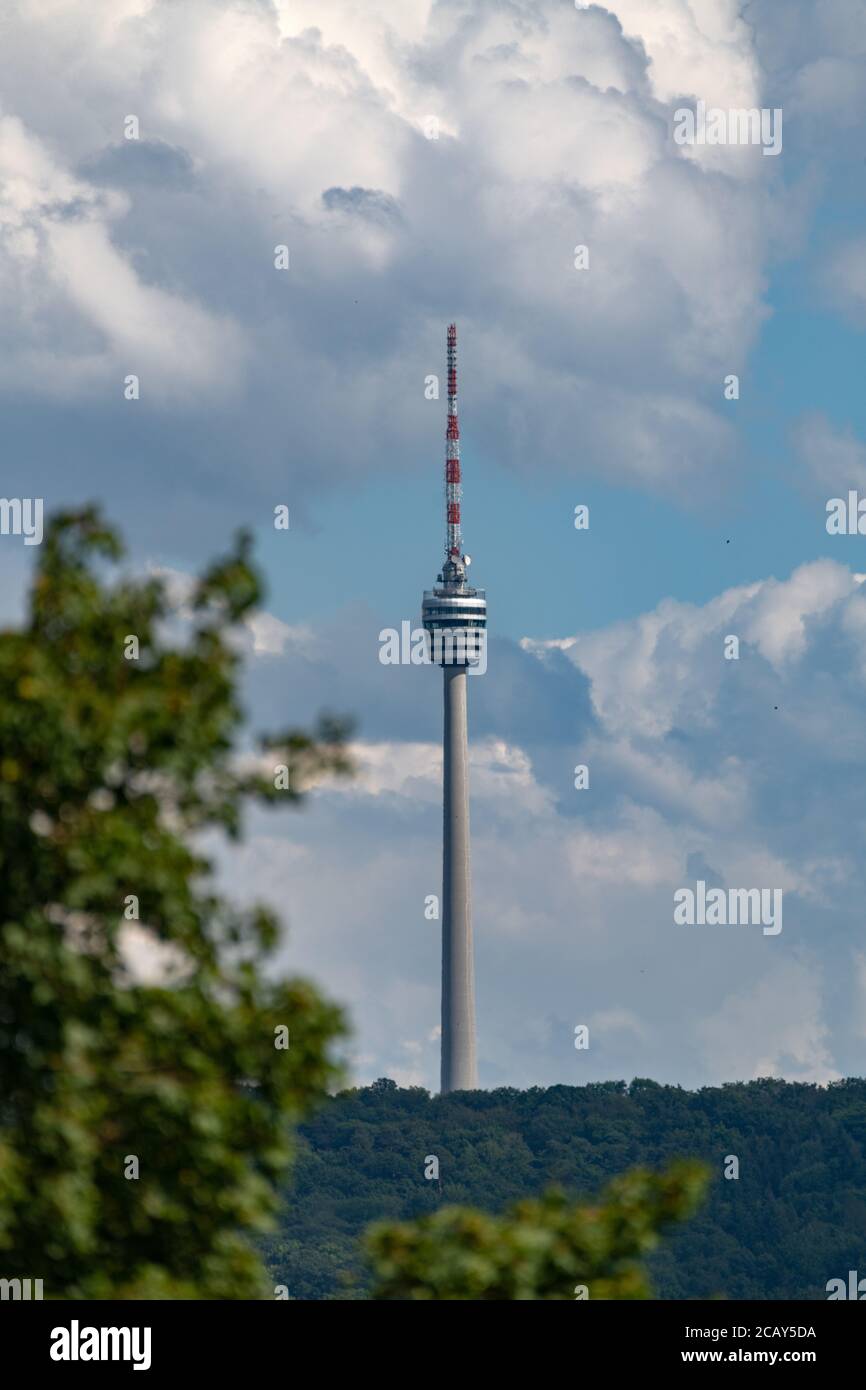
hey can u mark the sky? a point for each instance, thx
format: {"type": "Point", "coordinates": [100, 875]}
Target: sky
{"type": "Point", "coordinates": [423, 162]}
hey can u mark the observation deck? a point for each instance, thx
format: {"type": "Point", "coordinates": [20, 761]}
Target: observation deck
{"type": "Point", "coordinates": [454, 615]}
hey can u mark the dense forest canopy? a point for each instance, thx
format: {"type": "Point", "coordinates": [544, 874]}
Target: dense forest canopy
{"type": "Point", "coordinates": [793, 1219]}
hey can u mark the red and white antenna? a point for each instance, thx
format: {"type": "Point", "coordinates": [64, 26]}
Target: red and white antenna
{"type": "Point", "coordinates": [453, 489]}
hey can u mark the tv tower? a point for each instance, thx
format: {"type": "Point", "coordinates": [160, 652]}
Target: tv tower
{"type": "Point", "coordinates": [455, 617]}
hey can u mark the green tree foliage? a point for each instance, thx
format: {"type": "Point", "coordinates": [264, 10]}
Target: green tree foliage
{"type": "Point", "coordinates": [112, 768]}
{"type": "Point", "coordinates": [540, 1249]}
{"type": "Point", "coordinates": [794, 1218]}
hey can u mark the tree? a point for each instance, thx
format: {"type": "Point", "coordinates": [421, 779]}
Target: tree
{"type": "Point", "coordinates": [545, 1248]}
{"type": "Point", "coordinates": [144, 1127]}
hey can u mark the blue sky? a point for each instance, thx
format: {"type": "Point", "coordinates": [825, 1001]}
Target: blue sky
{"type": "Point", "coordinates": [306, 123]}
{"type": "Point", "coordinates": [382, 541]}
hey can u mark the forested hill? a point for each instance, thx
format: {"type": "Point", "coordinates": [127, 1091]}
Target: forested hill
{"type": "Point", "coordinates": [793, 1219]}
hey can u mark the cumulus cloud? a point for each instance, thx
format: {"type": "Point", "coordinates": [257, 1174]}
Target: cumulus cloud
{"type": "Point", "coordinates": [831, 459]}
{"type": "Point", "coordinates": [650, 673]}
{"type": "Point", "coordinates": [307, 124]}
{"type": "Point", "coordinates": [815, 54]}
{"type": "Point", "coordinates": [78, 309]}
{"type": "Point", "coordinates": [776, 1027]}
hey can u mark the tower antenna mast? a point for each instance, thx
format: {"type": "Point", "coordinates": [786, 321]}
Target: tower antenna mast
{"type": "Point", "coordinates": [453, 483]}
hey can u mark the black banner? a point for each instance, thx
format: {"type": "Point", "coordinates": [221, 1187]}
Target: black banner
{"type": "Point", "coordinates": [160, 1339]}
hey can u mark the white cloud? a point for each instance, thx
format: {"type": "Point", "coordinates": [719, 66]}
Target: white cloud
{"type": "Point", "coordinates": [646, 673]}
{"type": "Point", "coordinates": [298, 120]}
{"type": "Point", "coordinates": [833, 459]}
{"type": "Point", "coordinates": [83, 317]}
{"type": "Point", "coordinates": [772, 1028]}
{"type": "Point", "coordinates": [697, 47]}
{"type": "Point", "coordinates": [147, 959]}
{"type": "Point", "coordinates": [271, 636]}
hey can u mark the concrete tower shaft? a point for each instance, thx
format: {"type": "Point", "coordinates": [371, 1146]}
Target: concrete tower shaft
{"type": "Point", "coordinates": [458, 972]}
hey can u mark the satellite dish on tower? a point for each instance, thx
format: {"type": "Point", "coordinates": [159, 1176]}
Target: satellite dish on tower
{"type": "Point", "coordinates": [467, 559]}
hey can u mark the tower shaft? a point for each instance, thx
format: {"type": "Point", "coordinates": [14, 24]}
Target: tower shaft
{"type": "Point", "coordinates": [458, 975]}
